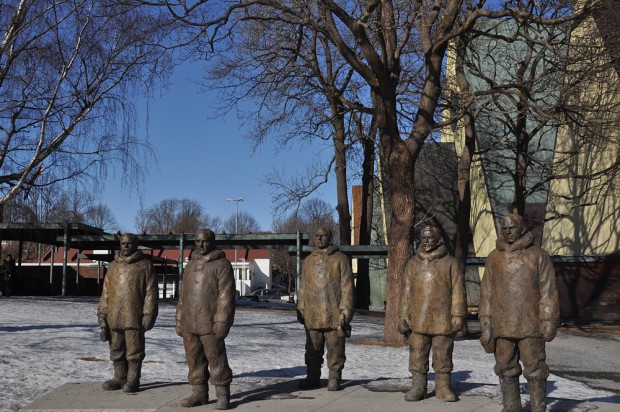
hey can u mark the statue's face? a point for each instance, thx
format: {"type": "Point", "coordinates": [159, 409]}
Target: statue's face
{"type": "Point", "coordinates": [129, 244]}
{"type": "Point", "coordinates": [512, 229]}
{"type": "Point", "coordinates": [429, 240]}
{"type": "Point", "coordinates": [204, 244]}
{"type": "Point", "coordinates": [322, 238]}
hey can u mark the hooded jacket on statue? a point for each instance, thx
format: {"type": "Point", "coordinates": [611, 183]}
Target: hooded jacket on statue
{"type": "Point", "coordinates": [129, 292]}
{"type": "Point", "coordinates": [326, 289]}
{"type": "Point", "coordinates": [433, 292]}
{"type": "Point", "coordinates": [208, 294]}
{"type": "Point", "coordinates": [518, 289]}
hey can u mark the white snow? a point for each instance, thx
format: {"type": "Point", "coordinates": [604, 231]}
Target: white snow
{"type": "Point", "coordinates": [46, 342]}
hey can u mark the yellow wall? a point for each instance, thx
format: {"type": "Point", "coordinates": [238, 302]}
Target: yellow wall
{"type": "Point", "coordinates": [588, 224]}
{"type": "Point", "coordinates": [592, 228]}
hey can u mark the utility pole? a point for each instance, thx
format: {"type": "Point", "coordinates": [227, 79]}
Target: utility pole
{"type": "Point", "coordinates": [237, 200]}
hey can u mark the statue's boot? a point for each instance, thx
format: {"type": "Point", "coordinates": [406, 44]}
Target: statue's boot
{"type": "Point", "coordinates": [418, 388]}
{"type": "Point", "coordinates": [199, 396]}
{"type": "Point", "coordinates": [333, 381]}
{"type": "Point", "coordinates": [312, 380]}
{"type": "Point", "coordinates": [511, 396]}
{"type": "Point", "coordinates": [538, 394]}
{"type": "Point", "coordinates": [119, 379]}
{"type": "Point", "coordinates": [222, 394]}
{"type": "Point", "coordinates": [442, 387]}
{"type": "Point", "coordinates": [133, 377]}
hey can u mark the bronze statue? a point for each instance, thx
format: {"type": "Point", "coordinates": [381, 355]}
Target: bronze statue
{"type": "Point", "coordinates": [325, 307]}
{"type": "Point", "coordinates": [518, 312]}
{"type": "Point", "coordinates": [127, 309]}
{"type": "Point", "coordinates": [433, 310]}
{"type": "Point", "coordinates": [205, 313]}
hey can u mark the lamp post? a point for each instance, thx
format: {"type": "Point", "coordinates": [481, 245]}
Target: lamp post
{"type": "Point", "coordinates": [237, 200]}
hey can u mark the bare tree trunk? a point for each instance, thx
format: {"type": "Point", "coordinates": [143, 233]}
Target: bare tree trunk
{"type": "Point", "coordinates": [464, 238]}
{"type": "Point", "coordinates": [521, 160]}
{"type": "Point", "coordinates": [344, 215]}
{"type": "Point", "coordinates": [362, 287]}
{"type": "Point", "coordinates": [400, 156]}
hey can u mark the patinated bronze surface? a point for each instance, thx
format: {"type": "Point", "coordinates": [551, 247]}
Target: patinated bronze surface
{"type": "Point", "coordinates": [325, 306]}
{"type": "Point", "coordinates": [519, 312]}
{"type": "Point", "coordinates": [432, 311]}
{"type": "Point", "coordinates": [204, 315]}
{"type": "Point", "coordinates": [127, 309]}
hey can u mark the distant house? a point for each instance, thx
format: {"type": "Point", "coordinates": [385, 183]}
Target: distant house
{"type": "Point", "coordinates": [86, 271]}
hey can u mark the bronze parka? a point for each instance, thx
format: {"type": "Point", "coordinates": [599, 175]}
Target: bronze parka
{"type": "Point", "coordinates": [518, 289]}
{"type": "Point", "coordinates": [326, 289]}
{"type": "Point", "coordinates": [433, 292]}
{"type": "Point", "coordinates": [129, 292]}
{"type": "Point", "coordinates": [208, 294]}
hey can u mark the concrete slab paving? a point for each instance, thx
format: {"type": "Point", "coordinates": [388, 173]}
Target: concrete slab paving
{"type": "Point", "coordinates": [279, 397]}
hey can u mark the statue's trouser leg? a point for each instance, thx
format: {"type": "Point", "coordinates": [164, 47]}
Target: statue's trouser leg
{"type": "Point", "coordinates": [335, 358]}
{"type": "Point", "coordinates": [198, 374]}
{"type": "Point", "coordinates": [221, 374]}
{"type": "Point", "coordinates": [117, 355]}
{"type": "Point", "coordinates": [315, 349]}
{"type": "Point", "coordinates": [508, 369]}
{"type": "Point", "coordinates": [419, 349]}
{"type": "Point", "coordinates": [134, 341]}
{"type": "Point", "coordinates": [442, 365]}
{"type": "Point", "coordinates": [535, 370]}
{"type": "Point", "coordinates": [203, 353]}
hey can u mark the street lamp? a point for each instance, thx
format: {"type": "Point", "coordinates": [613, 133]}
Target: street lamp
{"type": "Point", "coordinates": [237, 200]}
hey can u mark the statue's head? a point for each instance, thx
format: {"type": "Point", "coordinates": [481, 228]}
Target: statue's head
{"type": "Point", "coordinates": [205, 241]}
{"type": "Point", "coordinates": [512, 227]}
{"type": "Point", "coordinates": [129, 244]}
{"type": "Point", "coordinates": [430, 238]}
{"type": "Point", "coordinates": [323, 237]}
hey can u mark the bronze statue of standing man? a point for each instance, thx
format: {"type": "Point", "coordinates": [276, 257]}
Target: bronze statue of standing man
{"type": "Point", "coordinates": [433, 310]}
{"type": "Point", "coordinates": [325, 307]}
{"type": "Point", "coordinates": [519, 312]}
{"type": "Point", "coordinates": [127, 309]}
{"type": "Point", "coordinates": [205, 313]}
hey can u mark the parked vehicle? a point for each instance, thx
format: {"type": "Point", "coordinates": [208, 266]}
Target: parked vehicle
{"type": "Point", "coordinates": [269, 295]}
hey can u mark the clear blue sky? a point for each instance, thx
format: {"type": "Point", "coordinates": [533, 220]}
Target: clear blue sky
{"type": "Point", "coordinates": [206, 159]}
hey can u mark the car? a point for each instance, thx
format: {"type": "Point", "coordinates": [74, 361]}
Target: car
{"type": "Point", "coordinates": [265, 295]}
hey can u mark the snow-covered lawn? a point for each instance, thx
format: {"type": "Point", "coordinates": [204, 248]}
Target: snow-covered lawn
{"type": "Point", "coordinates": [46, 342]}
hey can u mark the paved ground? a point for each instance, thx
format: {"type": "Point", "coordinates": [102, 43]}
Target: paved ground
{"type": "Point", "coordinates": [586, 354]}
{"type": "Point", "coordinates": [166, 397]}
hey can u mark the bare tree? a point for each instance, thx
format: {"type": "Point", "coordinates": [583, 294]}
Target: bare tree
{"type": "Point", "coordinates": [242, 222]}
{"type": "Point", "coordinates": [374, 37]}
{"type": "Point", "coordinates": [175, 216]}
{"type": "Point", "coordinates": [100, 215]}
{"type": "Point", "coordinates": [66, 69]}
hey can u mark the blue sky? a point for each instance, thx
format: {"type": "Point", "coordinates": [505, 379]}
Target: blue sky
{"type": "Point", "coordinates": [206, 159]}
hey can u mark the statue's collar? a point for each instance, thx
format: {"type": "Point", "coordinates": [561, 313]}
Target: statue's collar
{"type": "Point", "coordinates": [329, 250]}
{"type": "Point", "coordinates": [523, 242]}
{"type": "Point", "coordinates": [215, 254]}
{"type": "Point", "coordinates": [134, 257]}
{"type": "Point", "coordinates": [438, 253]}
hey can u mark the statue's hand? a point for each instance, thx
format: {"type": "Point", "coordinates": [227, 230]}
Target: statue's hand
{"type": "Point", "coordinates": [148, 321]}
{"type": "Point", "coordinates": [178, 328]}
{"type": "Point", "coordinates": [221, 330]}
{"type": "Point", "coordinates": [457, 323]}
{"type": "Point", "coordinates": [300, 317]}
{"type": "Point", "coordinates": [104, 335]}
{"type": "Point", "coordinates": [346, 316]}
{"type": "Point", "coordinates": [548, 329]}
{"type": "Point", "coordinates": [404, 328]}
